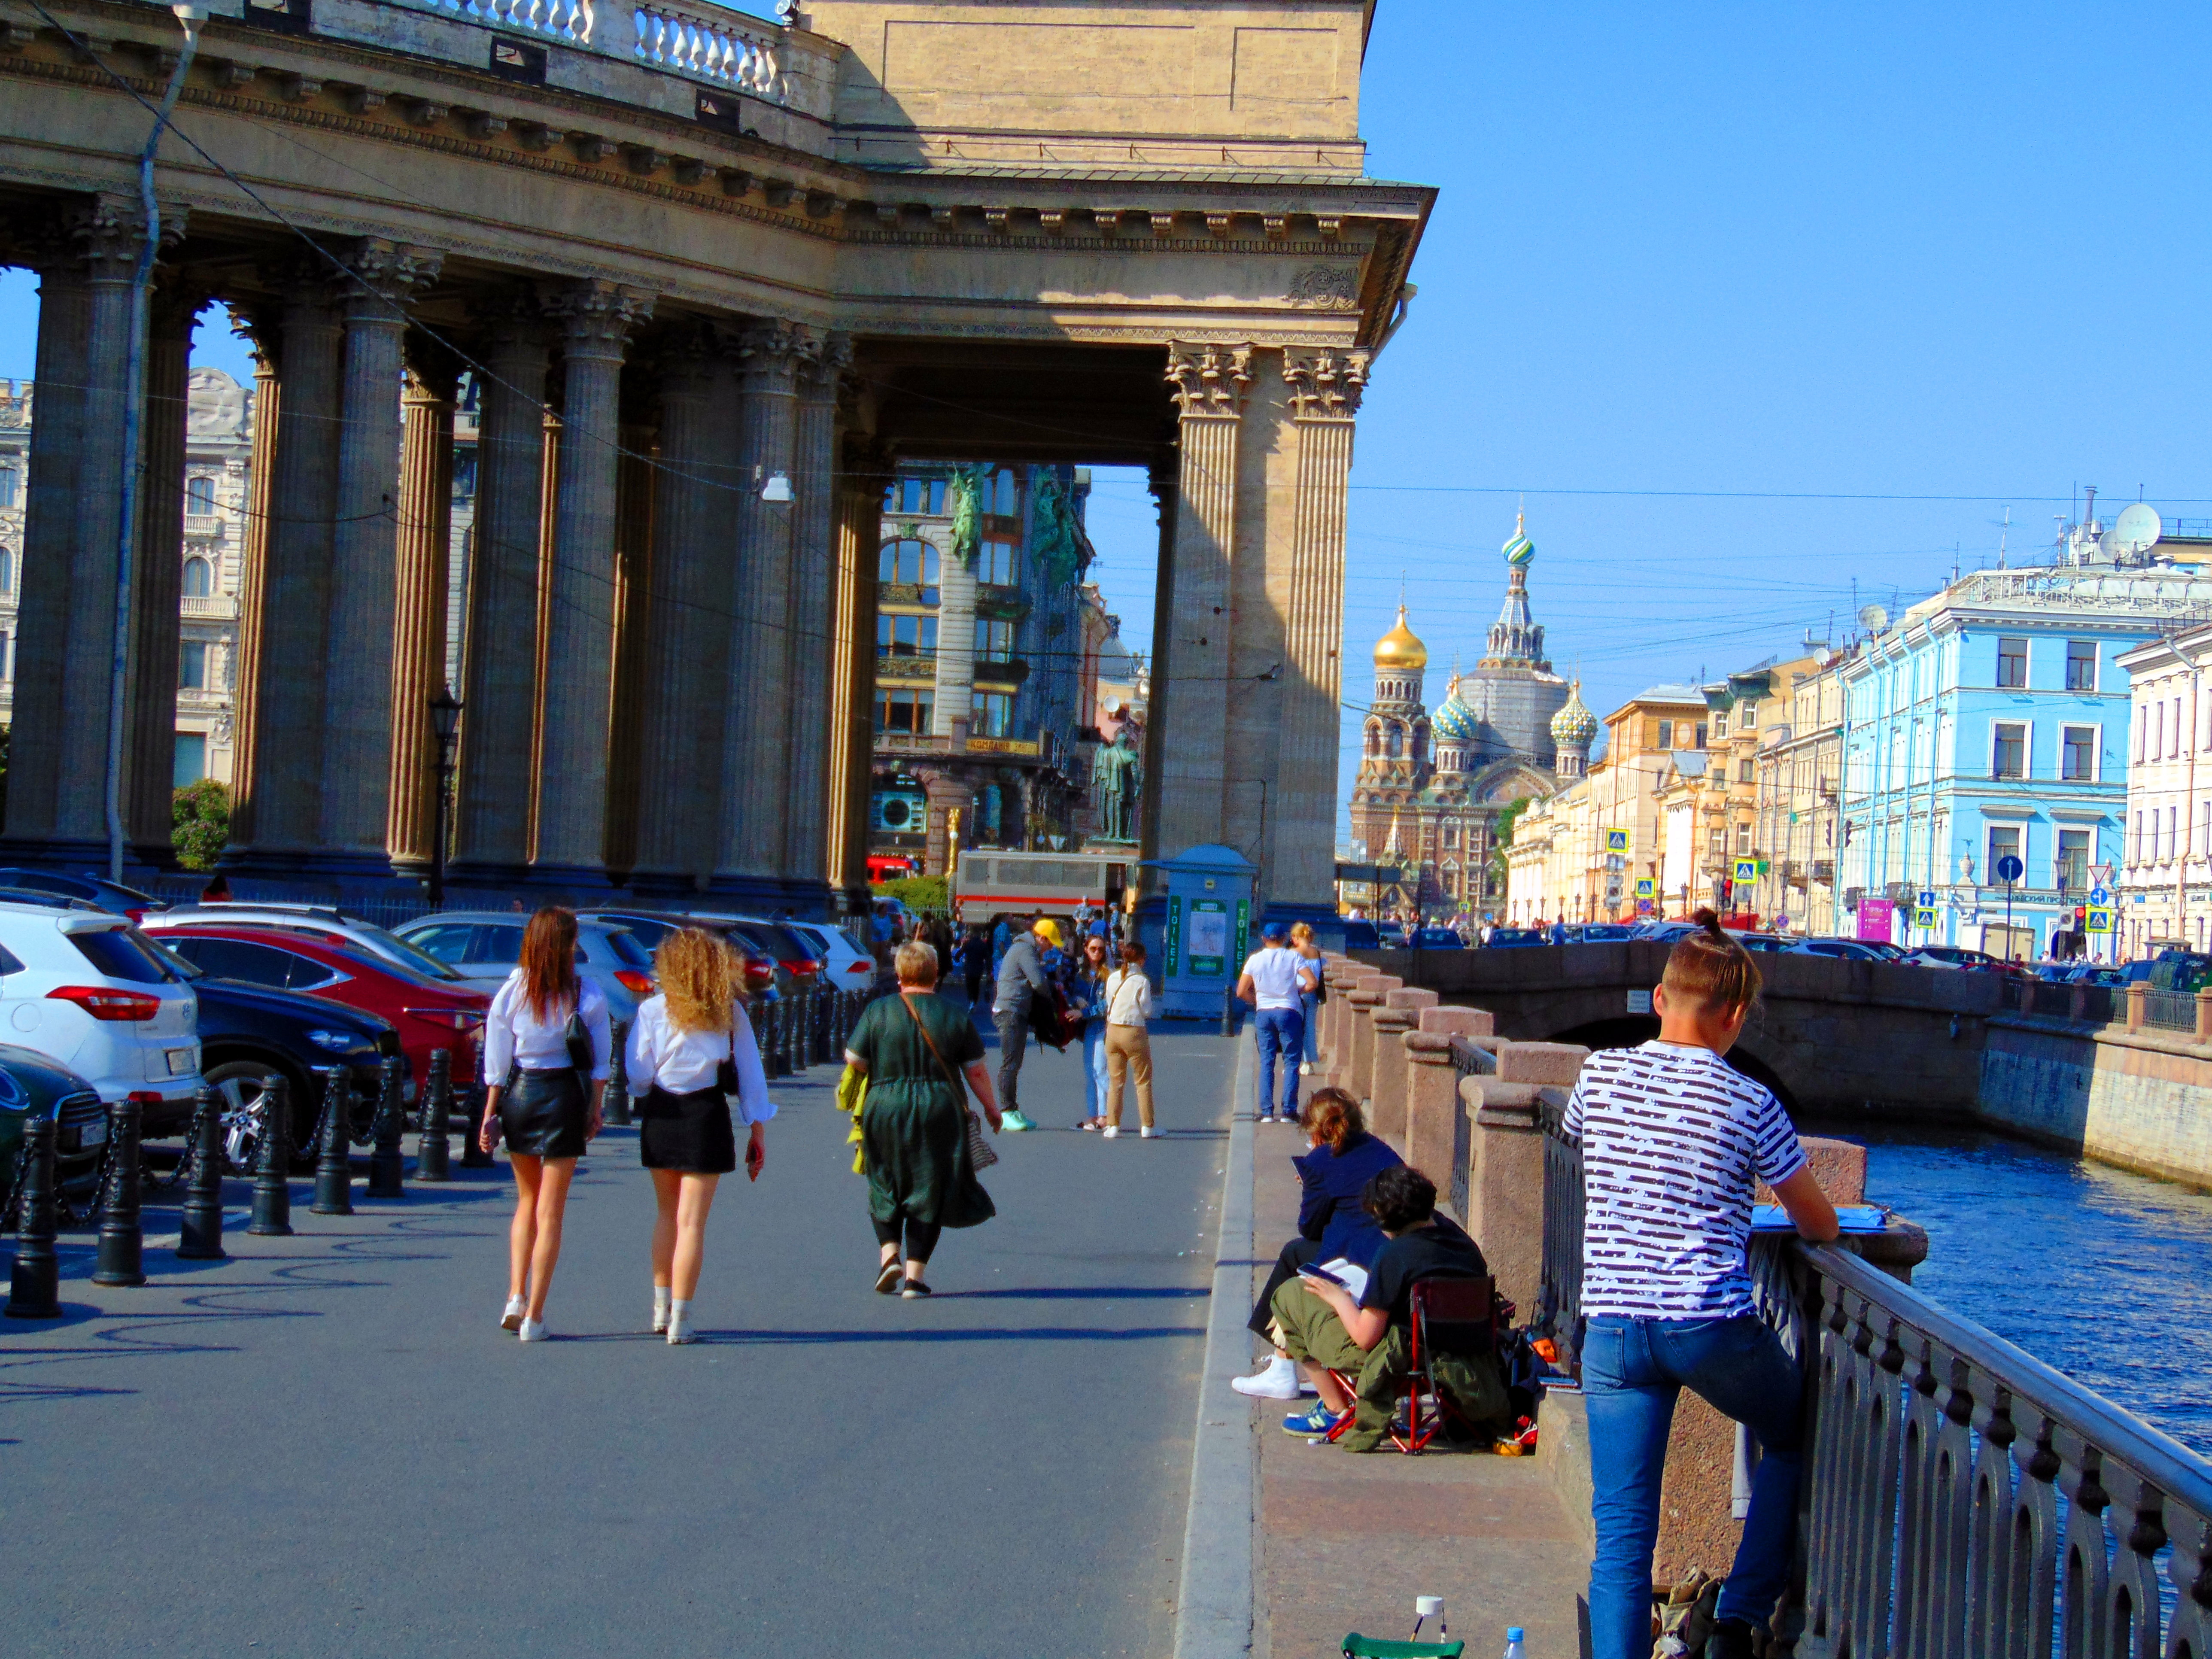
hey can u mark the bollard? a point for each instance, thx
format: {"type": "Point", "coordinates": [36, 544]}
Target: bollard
{"type": "Point", "coordinates": [794, 1036]}
{"type": "Point", "coordinates": [272, 1168]}
{"type": "Point", "coordinates": [473, 1156]}
{"type": "Point", "coordinates": [771, 1026]}
{"type": "Point", "coordinates": [1228, 1013]}
{"type": "Point", "coordinates": [199, 1236]}
{"type": "Point", "coordinates": [34, 1286]}
{"type": "Point", "coordinates": [387, 1164]}
{"type": "Point", "coordinates": [334, 1160]}
{"type": "Point", "coordinates": [617, 1095]}
{"type": "Point", "coordinates": [121, 1258]}
{"type": "Point", "coordinates": [431, 1151]}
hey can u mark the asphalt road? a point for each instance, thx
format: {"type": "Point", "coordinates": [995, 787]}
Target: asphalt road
{"type": "Point", "coordinates": [326, 1446]}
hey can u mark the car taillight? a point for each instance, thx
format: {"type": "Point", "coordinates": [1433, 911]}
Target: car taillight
{"type": "Point", "coordinates": [103, 1003]}
{"type": "Point", "coordinates": [630, 979]}
{"type": "Point", "coordinates": [461, 1019]}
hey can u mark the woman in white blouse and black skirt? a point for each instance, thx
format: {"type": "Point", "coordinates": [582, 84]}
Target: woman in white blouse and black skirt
{"type": "Point", "coordinates": [546, 1034]}
{"type": "Point", "coordinates": [691, 1048]}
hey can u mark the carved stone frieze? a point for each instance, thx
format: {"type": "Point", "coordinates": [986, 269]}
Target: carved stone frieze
{"type": "Point", "coordinates": [1325, 383]}
{"type": "Point", "coordinates": [1326, 287]}
{"type": "Point", "coordinates": [1209, 380]}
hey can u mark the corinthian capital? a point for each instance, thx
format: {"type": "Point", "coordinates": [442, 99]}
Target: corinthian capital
{"type": "Point", "coordinates": [773, 350]}
{"type": "Point", "coordinates": [596, 316]}
{"type": "Point", "coordinates": [388, 274]}
{"type": "Point", "coordinates": [107, 229]}
{"type": "Point", "coordinates": [1208, 378]}
{"type": "Point", "coordinates": [1325, 382]}
{"type": "Point", "coordinates": [826, 365]}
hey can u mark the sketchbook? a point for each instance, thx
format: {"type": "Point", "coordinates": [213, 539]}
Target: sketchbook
{"type": "Point", "coordinates": [1852, 1218]}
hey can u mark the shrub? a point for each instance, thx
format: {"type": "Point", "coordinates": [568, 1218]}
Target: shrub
{"type": "Point", "coordinates": [920, 894]}
{"type": "Point", "coordinates": [201, 814]}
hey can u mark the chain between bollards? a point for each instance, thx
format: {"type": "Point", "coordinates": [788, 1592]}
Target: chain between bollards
{"type": "Point", "coordinates": [387, 1164]}
{"type": "Point", "coordinates": [334, 1163]}
{"type": "Point", "coordinates": [199, 1235]}
{"type": "Point", "coordinates": [432, 1153]}
{"type": "Point", "coordinates": [617, 1099]}
{"type": "Point", "coordinates": [121, 1256]}
{"type": "Point", "coordinates": [272, 1166]}
{"type": "Point", "coordinates": [34, 1288]}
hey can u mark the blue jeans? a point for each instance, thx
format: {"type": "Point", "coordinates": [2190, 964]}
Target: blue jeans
{"type": "Point", "coordinates": [1309, 1007]}
{"type": "Point", "coordinates": [1094, 1066]}
{"type": "Point", "coordinates": [1632, 1370]}
{"type": "Point", "coordinates": [1279, 1031]}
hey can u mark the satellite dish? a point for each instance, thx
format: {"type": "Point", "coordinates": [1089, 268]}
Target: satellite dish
{"type": "Point", "coordinates": [1874, 619]}
{"type": "Point", "coordinates": [2137, 528]}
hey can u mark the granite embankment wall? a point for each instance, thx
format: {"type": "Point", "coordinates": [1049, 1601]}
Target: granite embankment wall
{"type": "Point", "coordinates": [2140, 1099]}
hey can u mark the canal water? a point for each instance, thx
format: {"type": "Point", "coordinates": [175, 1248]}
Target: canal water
{"type": "Point", "coordinates": [2102, 1274]}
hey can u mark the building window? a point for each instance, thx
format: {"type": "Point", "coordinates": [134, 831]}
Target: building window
{"type": "Point", "coordinates": [2073, 860]}
{"type": "Point", "coordinates": [911, 563]}
{"type": "Point", "coordinates": [192, 666]}
{"type": "Point", "coordinates": [2138, 858]}
{"type": "Point", "coordinates": [2080, 665]}
{"type": "Point", "coordinates": [1003, 495]}
{"type": "Point", "coordinates": [199, 497]}
{"type": "Point", "coordinates": [2173, 838]}
{"type": "Point", "coordinates": [2012, 663]}
{"type": "Point", "coordinates": [199, 579]}
{"type": "Point", "coordinates": [1715, 840]}
{"type": "Point", "coordinates": [2004, 843]}
{"type": "Point", "coordinates": [2009, 751]}
{"type": "Point", "coordinates": [991, 714]}
{"type": "Point", "coordinates": [1666, 734]}
{"type": "Point", "coordinates": [906, 636]}
{"type": "Point", "coordinates": [191, 764]}
{"type": "Point", "coordinates": [7, 571]}
{"type": "Point", "coordinates": [1720, 726]}
{"type": "Point", "coordinates": [995, 563]}
{"type": "Point", "coordinates": [2078, 754]}
{"type": "Point", "coordinates": [1396, 743]}
{"type": "Point", "coordinates": [1700, 744]}
{"type": "Point", "coordinates": [924, 495]}
{"type": "Point", "coordinates": [7, 654]}
{"type": "Point", "coordinates": [1743, 769]}
{"type": "Point", "coordinates": [904, 711]}
{"type": "Point", "coordinates": [994, 640]}
{"type": "Point", "coordinates": [1748, 716]}
{"type": "Point", "coordinates": [1450, 836]}
{"type": "Point", "coordinates": [10, 479]}
{"type": "Point", "coordinates": [1743, 839]}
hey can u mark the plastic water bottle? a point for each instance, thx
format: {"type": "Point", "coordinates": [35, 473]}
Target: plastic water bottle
{"type": "Point", "coordinates": [1514, 1635]}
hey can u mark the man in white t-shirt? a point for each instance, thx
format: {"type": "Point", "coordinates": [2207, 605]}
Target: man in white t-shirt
{"type": "Point", "coordinates": [1274, 978]}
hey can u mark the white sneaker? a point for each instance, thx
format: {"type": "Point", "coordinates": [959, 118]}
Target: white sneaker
{"type": "Point", "coordinates": [680, 1331]}
{"type": "Point", "coordinates": [1146, 1133]}
{"type": "Point", "coordinates": [533, 1330]}
{"type": "Point", "coordinates": [1276, 1380]}
{"type": "Point", "coordinates": [659, 1318]}
{"type": "Point", "coordinates": [1110, 1131]}
{"type": "Point", "coordinates": [512, 1319]}
{"type": "Point", "coordinates": [1305, 1068]}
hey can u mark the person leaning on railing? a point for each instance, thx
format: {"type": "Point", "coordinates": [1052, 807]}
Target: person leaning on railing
{"type": "Point", "coordinates": [1673, 1141]}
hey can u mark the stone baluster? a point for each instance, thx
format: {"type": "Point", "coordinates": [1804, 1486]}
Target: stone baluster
{"type": "Point", "coordinates": [418, 627]}
{"type": "Point", "coordinates": [157, 577]}
{"type": "Point", "coordinates": [813, 592]}
{"type": "Point", "coordinates": [492, 814]}
{"type": "Point", "coordinates": [570, 851]}
{"type": "Point", "coordinates": [1399, 1014]}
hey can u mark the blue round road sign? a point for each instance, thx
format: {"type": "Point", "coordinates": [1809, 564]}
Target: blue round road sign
{"type": "Point", "coordinates": [2009, 868]}
{"type": "Point", "coordinates": [2099, 897]}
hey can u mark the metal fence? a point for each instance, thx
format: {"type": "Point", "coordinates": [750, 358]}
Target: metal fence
{"type": "Point", "coordinates": [1560, 1290]}
{"type": "Point", "coordinates": [1965, 1499]}
{"type": "Point", "coordinates": [2170, 1010]}
{"type": "Point", "coordinates": [1468, 1060]}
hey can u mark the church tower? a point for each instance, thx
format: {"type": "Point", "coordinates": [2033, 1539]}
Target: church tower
{"type": "Point", "coordinates": [1574, 728]}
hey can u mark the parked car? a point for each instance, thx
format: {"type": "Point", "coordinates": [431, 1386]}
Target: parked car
{"type": "Point", "coordinates": [1517, 938]}
{"type": "Point", "coordinates": [331, 925]}
{"type": "Point", "coordinates": [845, 965]}
{"type": "Point", "coordinates": [2087, 973]}
{"type": "Point", "coordinates": [2185, 972]}
{"type": "Point", "coordinates": [112, 896]}
{"type": "Point", "coordinates": [795, 956]}
{"type": "Point", "coordinates": [1437, 939]}
{"type": "Point", "coordinates": [649, 928]}
{"type": "Point", "coordinates": [1764, 944]}
{"type": "Point", "coordinates": [1846, 950]}
{"type": "Point", "coordinates": [1600, 933]}
{"type": "Point", "coordinates": [84, 988]}
{"type": "Point", "coordinates": [1362, 935]}
{"type": "Point", "coordinates": [485, 944]}
{"type": "Point", "coordinates": [33, 1085]}
{"type": "Point", "coordinates": [428, 1013]}
{"type": "Point", "coordinates": [1663, 933]}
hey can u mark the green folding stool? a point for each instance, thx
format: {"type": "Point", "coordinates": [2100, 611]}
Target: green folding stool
{"type": "Point", "coordinates": [1368, 1647]}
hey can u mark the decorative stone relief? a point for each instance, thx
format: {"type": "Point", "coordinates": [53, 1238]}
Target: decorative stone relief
{"type": "Point", "coordinates": [1326, 287]}
{"type": "Point", "coordinates": [597, 313]}
{"type": "Point", "coordinates": [392, 271]}
{"type": "Point", "coordinates": [1210, 379]}
{"type": "Point", "coordinates": [1325, 384]}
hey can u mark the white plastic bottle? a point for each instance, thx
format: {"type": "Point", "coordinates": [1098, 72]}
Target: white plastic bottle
{"type": "Point", "coordinates": [1514, 1635]}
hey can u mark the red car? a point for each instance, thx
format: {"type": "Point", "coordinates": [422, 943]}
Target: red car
{"type": "Point", "coordinates": [428, 1013]}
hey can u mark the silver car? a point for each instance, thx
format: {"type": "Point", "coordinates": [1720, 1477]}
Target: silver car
{"type": "Point", "coordinates": [487, 944]}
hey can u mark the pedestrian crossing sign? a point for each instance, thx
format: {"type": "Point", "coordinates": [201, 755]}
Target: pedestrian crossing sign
{"type": "Point", "coordinates": [2098, 920]}
{"type": "Point", "coordinates": [1923, 915]}
{"type": "Point", "coordinates": [1647, 887]}
{"type": "Point", "coordinates": [1616, 841]}
{"type": "Point", "coordinates": [1747, 869]}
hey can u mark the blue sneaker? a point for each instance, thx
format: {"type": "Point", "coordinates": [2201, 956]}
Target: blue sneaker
{"type": "Point", "coordinates": [1014, 1123]}
{"type": "Point", "coordinates": [1314, 1423]}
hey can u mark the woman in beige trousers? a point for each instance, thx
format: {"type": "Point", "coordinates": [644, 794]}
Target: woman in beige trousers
{"type": "Point", "coordinates": [1128, 1044]}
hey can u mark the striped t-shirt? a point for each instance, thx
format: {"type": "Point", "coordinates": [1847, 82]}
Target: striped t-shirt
{"type": "Point", "coordinates": [1672, 1138]}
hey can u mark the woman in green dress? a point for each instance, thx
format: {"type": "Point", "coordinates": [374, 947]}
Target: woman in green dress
{"type": "Point", "coordinates": [912, 1048]}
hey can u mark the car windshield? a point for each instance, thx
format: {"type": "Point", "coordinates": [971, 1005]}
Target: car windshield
{"type": "Point", "coordinates": [169, 959]}
{"type": "Point", "coordinates": [413, 955]}
{"type": "Point", "coordinates": [623, 946]}
{"type": "Point", "coordinates": [124, 953]}
{"type": "Point", "coordinates": [1604, 930]}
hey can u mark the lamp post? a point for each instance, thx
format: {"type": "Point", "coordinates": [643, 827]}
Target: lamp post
{"type": "Point", "coordinates": [445, 722]}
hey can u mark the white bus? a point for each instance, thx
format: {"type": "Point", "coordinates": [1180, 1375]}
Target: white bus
{"type": "Point", "coordinates": [990, 884]}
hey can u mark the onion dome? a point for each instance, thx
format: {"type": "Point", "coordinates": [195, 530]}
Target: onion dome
{"type": "Point", "coordinates": [1401, 647]}
{"type": "Point", "coordinates": [1574, 726]}
{"type": "Point", "coordinates": [1453, 721]}
{"type": "Point", "coordinates": [1519, 551]}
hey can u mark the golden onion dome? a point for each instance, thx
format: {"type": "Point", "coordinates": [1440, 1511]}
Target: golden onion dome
{"type": "Point", "coordinates": [1401, 647]}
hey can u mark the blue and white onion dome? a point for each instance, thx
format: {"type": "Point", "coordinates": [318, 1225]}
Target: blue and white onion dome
{"type": "Point", "coordinates": [1574, 726]}
{"type": "Point", "coordinates": [1453, 721]}
{"type": "Point", "coordinates": [1520, 552]}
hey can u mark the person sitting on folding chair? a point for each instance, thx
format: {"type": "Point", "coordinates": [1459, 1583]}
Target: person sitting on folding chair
{"type": "Point", "coordinates": [1331, 1333]}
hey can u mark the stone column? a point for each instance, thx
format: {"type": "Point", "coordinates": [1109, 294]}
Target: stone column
{"type": "Point", "coordinates": [294, 601]}
{"type": "Point", "coordinates": [947, 792]}
{"type": "Point", "coordinates": [596, 318]}
{"type": "Point", "coordinates": [814, 591]}
{"type": "Point", "coordinates": [46, 588]}
{"type": "Point", "coordinates": [1190, 709]}
{"type": "Point", "coordinates": [157, 579]}
{"type": "Point", "coordinates": [686, 691]}
{"type": "Point", "coordinates": [634, 580]}
{"type": "Point", "coordinates": [495, 779]}
{"type": "Point", "coordinates": [754, 815]}
{"type": "Point", "coordinates": [418, 629]}
{"type": "Point", "coordinates": [852, 717]}
{"type": "Point", "coordinates": [1162, 484]}
{"type": "Point", "coordinates": [1401, 1014]}
{"type": "Point", "coordinates": [254, 576]}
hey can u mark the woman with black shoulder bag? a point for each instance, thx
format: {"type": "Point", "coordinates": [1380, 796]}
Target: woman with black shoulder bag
{"type": "Point", "coordinates": [691, 1052]}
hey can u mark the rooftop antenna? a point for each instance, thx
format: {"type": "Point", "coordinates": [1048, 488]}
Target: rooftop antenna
{"type": "Point", "coordinates": [2004, 535]}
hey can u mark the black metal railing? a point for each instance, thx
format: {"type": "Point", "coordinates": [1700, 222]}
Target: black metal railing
{"type": "Point", "coordinates": [1468, 1060]}
{"type": "Point", "coordinates": [1560, 1288]}
{"type": "Point", "coordinates": [2170, 1010]}
{"type": "Point", "coordinates": [1965, 1500]}
{"type": "Point", "coordinates": [2055, 1000]}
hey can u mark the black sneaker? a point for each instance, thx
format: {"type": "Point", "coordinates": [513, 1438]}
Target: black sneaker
{"type": "Point", "coordinates": [1731, 1639]}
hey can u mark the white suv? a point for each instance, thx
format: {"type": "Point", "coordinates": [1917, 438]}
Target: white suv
{"type": "Point", "coordinates": [92, 993]}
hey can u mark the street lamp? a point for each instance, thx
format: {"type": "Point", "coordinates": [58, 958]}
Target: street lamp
{"type": "Point", "coordinates": [445, 722]}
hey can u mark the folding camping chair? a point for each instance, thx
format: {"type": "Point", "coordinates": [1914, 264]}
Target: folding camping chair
{"type": "Point", "coordinates": [1451, 1315]}
{"type": "Point", "coordinates": [1368, 1647]}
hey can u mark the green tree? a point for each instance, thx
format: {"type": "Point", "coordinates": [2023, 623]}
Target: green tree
{"type": "Point", "coordinates": [1502, 838]}
{"type": "Point", "coordinates": [920, 894]}
{"type": "Point", "coordinates": [201, 815]}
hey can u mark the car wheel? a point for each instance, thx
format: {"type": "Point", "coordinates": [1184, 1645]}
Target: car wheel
{"type": "Point", "coordinates": [240, 1086]}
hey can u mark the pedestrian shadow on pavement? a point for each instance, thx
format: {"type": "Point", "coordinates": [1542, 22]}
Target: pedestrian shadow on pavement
{"type": "Point", "coordinates": [981, 1333]}
{"type": "Point", "coordinates": [1078, 1293]}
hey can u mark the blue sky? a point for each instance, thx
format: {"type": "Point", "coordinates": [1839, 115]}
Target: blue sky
{"type": "Point", "coordinates": [1723, 287]}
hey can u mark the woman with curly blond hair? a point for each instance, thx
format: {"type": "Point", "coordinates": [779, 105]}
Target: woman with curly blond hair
{"type": "Point", "coordinates": [690, 1049]}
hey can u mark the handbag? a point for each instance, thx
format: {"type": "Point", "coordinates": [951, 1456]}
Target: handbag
{"type": "Point", "coordinates": [725, 1070]}
{"type": "Point", "coordinates": [981, 1154]}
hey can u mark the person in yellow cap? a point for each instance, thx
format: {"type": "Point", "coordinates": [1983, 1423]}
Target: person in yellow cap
{"type": "Point", "coordinates": [1020, 976]}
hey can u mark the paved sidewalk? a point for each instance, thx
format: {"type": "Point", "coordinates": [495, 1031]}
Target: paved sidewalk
{"type": "Point", "coordinates": [1345, 1542]}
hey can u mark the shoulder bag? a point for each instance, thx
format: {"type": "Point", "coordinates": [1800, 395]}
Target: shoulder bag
{"type": "Point", "coordinates": [981, 1154]}
{"type": "Point", "coordinates": [725, 1070]}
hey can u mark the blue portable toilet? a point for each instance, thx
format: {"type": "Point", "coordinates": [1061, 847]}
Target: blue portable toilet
{"type": "Point", "coordinates": [1197, 939]}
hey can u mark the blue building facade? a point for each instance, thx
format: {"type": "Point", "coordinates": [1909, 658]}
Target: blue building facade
{"type": "Point", "coordinates": [1991, 721]}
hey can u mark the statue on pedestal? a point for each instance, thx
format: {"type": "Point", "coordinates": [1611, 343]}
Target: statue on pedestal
{"type": "Point", "coordinates": [1117, 775]}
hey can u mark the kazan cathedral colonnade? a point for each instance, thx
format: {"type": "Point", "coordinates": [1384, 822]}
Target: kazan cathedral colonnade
{"type": "Point", "coordinates": [712, 278]}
